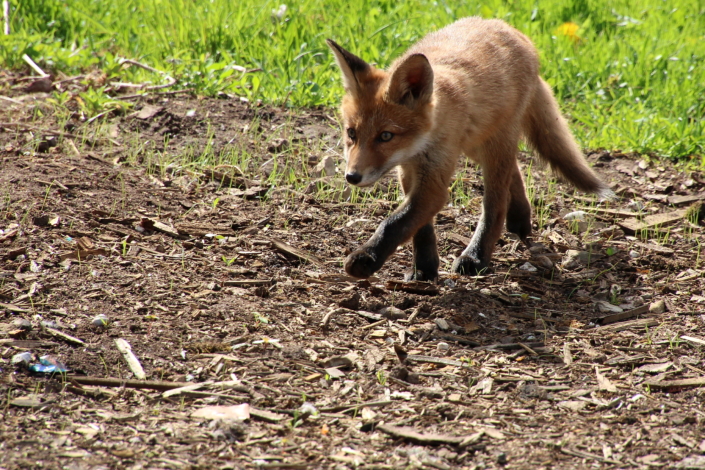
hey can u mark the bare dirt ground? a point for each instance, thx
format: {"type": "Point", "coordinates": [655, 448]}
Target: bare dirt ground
{"type": "Point", "coordinates": [584, 352]}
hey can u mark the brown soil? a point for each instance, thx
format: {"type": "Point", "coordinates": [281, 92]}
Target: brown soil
{"type": "Point", "coordinates": [519, 368]}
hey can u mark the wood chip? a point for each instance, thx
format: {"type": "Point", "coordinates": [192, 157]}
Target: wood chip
{"type": "Point", "coordinates": [248, 282]}
{"type": "Point", "coordinates": [83, 255]}
{"type": "Point", "coordinates": [617, 317]}
{"type": "Point", "coordinates": [690, 198]}
{"type": "Point", "coordinates": [567, 356]}
{"type": "Point", "coordinates": [413, 435]}
{"type": "Point", "coordinates": [676, 384]}
{"type": "Point", "coordinates": [459, 239]}
{"type": "Point", "coordinates": [586, 455]}
{"type": "Point", "coordinates": [694, 340]}
{"type": "Point", "coordinates": [13, 308]}
{"type": "Point", "coordinates": [413, 287]}
{"type": "Point", "coordinates": [603, 383]}
{"type": "Point", "coordinates": [435, 360]}
{"type": "Point", "coordinates": [138, 384]}
{"type": "Point", "coordinates": [295, 252]}
{"type": "Point", "coordinates": [64, 336]}
{"type": "Point", "coordinates": [657, 248]}
{"type": "Point", "coordinates": [154, 224]}
{"type": "Point", "coordinates": [651, 222]}
{"type": "Point", "coordinates": [639, 324]}
{"type": "Point", "coordinates": [132, 361]}
{"type": "Point", "coordinates": [180, 390]}
{"type": "Point", "coordinates": [267, 416]}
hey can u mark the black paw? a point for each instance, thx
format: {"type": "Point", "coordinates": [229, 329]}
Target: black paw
{"type": "Point", "coordinates": [469, 266]}
{"type": "Point", "coordinates": [361, 264]}
{"type": "Point", "coordinates": [418, 275]}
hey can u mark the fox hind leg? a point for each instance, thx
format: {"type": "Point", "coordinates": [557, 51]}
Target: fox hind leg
{"type": "Point", "coordinates": [497, 156]}
{"type": "Point", "coordinates": [426, 259]}
{"type": "Point", "coordinates": [519, 210]}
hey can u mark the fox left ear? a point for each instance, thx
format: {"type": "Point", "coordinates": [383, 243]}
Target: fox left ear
{"type": "Point", "coordinates": [412, 81]}
{"type": "Point", "coordinates": [351, 65]}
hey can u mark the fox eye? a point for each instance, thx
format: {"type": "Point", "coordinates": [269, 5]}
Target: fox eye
{"type": "Point", "coordinates": [386, 136]}
{"type": "Point", "coordinates": [351, 133]}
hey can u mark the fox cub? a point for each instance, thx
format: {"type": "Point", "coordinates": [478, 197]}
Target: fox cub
{"type": "Point", "coordinates": [471, 88]}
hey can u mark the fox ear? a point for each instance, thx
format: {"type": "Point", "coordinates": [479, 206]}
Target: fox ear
{"type": "Point", "coordinates": [412, 81]}
{"type": "Point", "coordinates": [351, 66]}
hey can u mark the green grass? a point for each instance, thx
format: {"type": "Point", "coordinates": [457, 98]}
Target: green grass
{"type": "Point", "coordinates": [631, 78]}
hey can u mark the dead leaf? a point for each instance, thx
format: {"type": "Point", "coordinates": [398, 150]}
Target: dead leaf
{"type": "Point", "coordinates": [237, 412]}
{"type": "Point", "coordinates": [603, 383]}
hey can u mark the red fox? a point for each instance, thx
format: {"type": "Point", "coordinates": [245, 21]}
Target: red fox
{"type": "Point", "coordinates": [471, 88]}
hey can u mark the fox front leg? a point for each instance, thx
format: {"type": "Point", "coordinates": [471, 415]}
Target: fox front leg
{"type": "Point", "coordinates": [412, 219]}
{"type": "Point", "coordinates": [391, 233]}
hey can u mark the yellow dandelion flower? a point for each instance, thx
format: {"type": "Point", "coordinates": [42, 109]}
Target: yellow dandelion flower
{"type": "Point", "coordinates": [570, 30]}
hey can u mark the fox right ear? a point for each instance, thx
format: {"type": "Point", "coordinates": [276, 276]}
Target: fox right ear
{"type": "Point", "coordinates": [351, 66]}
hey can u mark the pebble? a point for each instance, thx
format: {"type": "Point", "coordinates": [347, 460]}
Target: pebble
{"type": "Point", "coordinates": [543, 261]}
{"type": "Point", "coordinates": [633, 254]}
{"type": "Point", "coordinates": [22, 324]}
{"type": "Point", "coordinates": [528, 267]}
{"type": "Point", "coordinates": [23, 358]}
{"type": "Point", "coordinates": [657, 307]}
{"type": "Point", "coordinates": [308, 409]}
{"type": "Point", "coordinates": [606, 307]}
{"type": "Point", "coordinates": [574, 258]}
{"type": "Point", "coordinates": [576, 215]}
{"type": "Point", "coordinates": [325, 167]}
{"type": "Point", "coordinates": [50, 324]}
{"type": "Point", "coordinates": [443, 346]}
{"type": "Point", "coordinates": [442, 324]}
{"type": "Point", "coordinates": [100, 321]}
{"type": "Point", "coordinates": [636, 206]}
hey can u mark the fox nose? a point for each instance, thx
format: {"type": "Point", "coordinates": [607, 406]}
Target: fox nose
{"type": "Point", "coordinates": [353, 178]}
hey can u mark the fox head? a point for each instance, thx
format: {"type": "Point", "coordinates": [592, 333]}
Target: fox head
{"type": "Point", "coordinates": [387, 115]}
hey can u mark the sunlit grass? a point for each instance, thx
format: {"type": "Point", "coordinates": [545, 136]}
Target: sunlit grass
{"type": "Point", "coordinates": [630, 75]}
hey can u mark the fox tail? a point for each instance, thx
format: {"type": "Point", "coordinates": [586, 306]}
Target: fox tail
{"type": "Point", "coordinates": [547, 133]}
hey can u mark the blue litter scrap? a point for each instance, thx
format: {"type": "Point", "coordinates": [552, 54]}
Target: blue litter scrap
{"type": "Point", "coordinates": [48, 365]}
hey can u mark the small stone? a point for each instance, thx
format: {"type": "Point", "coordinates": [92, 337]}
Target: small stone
{"type": "Point", "coordinates": [575, 258]}
{"type": "Point", "coordinates": [538, 248]}
{"type": "Point", "coordinates": [100, 321]}
{"type": "Point", "coordinates": [442, 324]}
{"type": "Point", "coordinates": [606, 307]}
{"type": "Point", "coordinates": [352, 303]}
{"type": "Point", "coordinates": [576, 215]}
{"type": "Point", "coordinates": [636, 206]}
{"type": "Point", "coordinates": [528, 267]}
{"type": "Point", "coordinates": [23, 358]}
{"type": "Point", "coordinates": [262, 291]}
{"type": "Point", "coordinates": [278, 146]}
{"type": "Point", "coordinates": [543, 261]}
{"type": "Point", "coordinates": [443, 346]}
{"type": "Point", "coordinates": [392, 313]}
{"type": "Point", "coordinates": [22, 324]}
{"type": "Point", "coordinates": [633, 254]}
{"type": "Point", "coordinates": [454, 397]}
{"type": "Point", "coordinates": [657, 307]}
{"type": "Point", "coordinates": [325, 167]}
{"type": "Point", "coordinates": [502, 458]}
